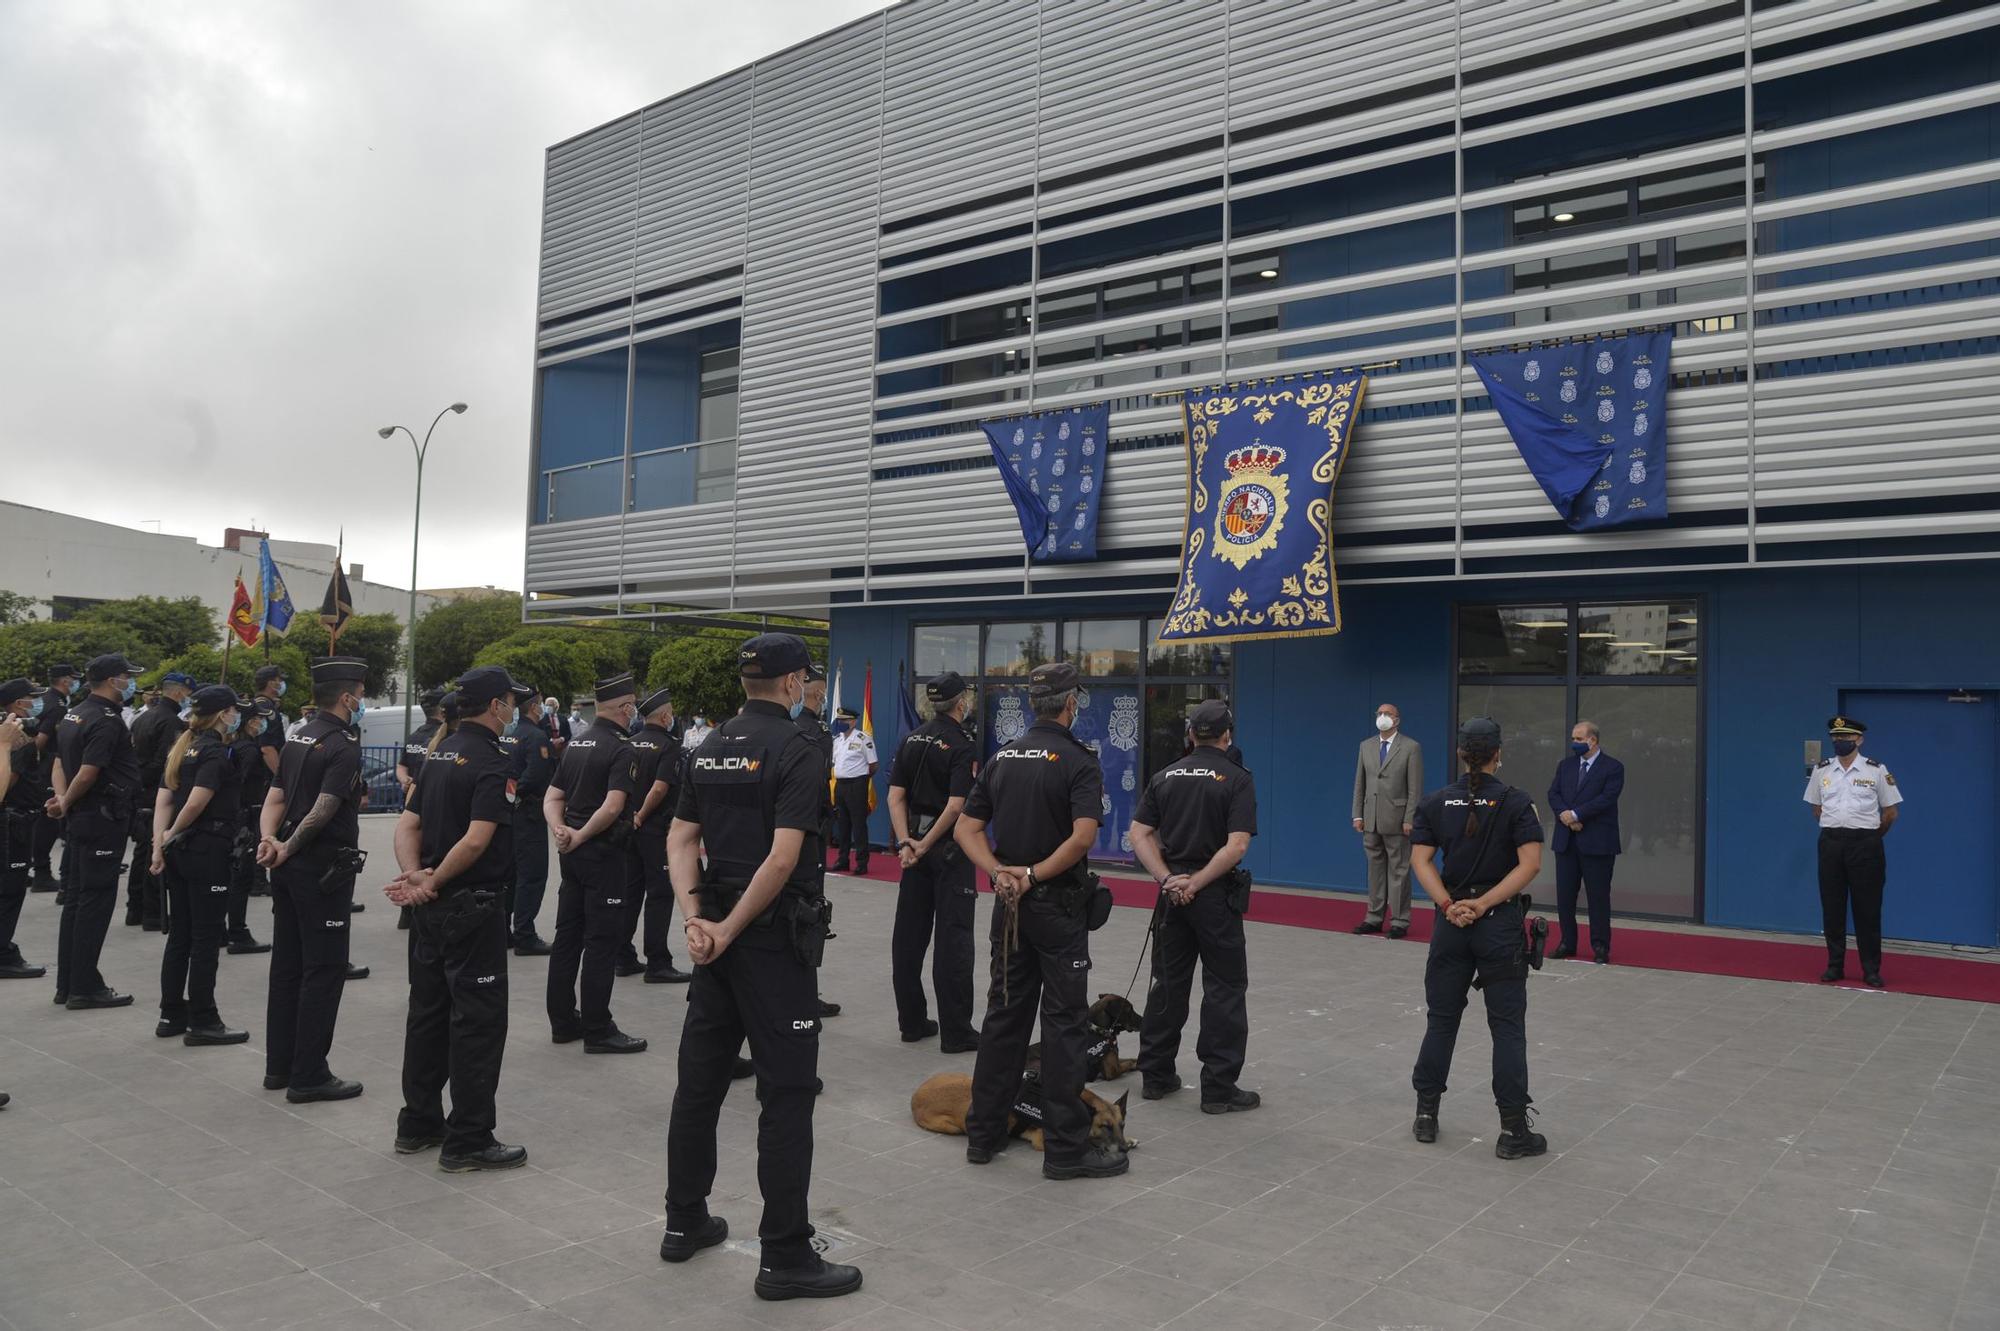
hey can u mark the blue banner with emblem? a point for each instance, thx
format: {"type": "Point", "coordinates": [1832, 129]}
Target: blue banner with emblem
{"type": "Point", "coordinates": [1257, 553]}
{"type": "Point", "coordinates": [1053, 467]}
{"type": "Point", "coordinates": [1590, 420]}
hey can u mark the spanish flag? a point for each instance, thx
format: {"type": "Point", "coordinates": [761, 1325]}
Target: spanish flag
{"type": "Point", "coordinates": [243, 615]}
{"type": "Point", "coordinates": [868, 719]}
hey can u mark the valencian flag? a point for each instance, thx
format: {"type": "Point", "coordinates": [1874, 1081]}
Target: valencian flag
{"type": "Point", "coordinates": [243, 616]}
{"type": "Point", "coordinates": [277, 616]}
{"type": "Point", "coordinates": [1257, 557]}
{"type": "Point", "coordinates": [1590, 419]}
{"type": "Point", "coordinates": [337, 606]}
{"type": "Point", "coordinates": [1053, 467]}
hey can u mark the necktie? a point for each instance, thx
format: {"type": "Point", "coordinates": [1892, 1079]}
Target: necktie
{"type": "Point", "coordinates": [1383, 761]}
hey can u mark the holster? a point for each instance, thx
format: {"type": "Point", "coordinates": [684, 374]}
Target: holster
{"type": "Point", "coordinates": [459, 915]}
{"type": "Point", "coordinates": [809, 919]}
{"type": "Point", "coordinates": [1235, 887]}
{"type": "Point", "coordinates": [342, 862]}
{"type": "Point", "coordinates": [1523, 958]}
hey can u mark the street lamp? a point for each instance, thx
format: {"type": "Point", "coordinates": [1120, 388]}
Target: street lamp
{"type": "Point", "coordinates": [416, 526]}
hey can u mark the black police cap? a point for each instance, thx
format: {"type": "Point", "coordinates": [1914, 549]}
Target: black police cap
{"type": "Point", "coordinates": [1845, 725]}
{"type": "Point", "coordinates": [1483, 728]}
{"type": "Point", "coordinates": [448, 706]}
{"type": "Point", "coordinates": [616, 686]}
{"type": "Point", "coordinates": [264, 707]}
{"type": "Point", "coordinates": [772, 656]}
{"type": "Point", "coordinates": [339, 670]}
{"type": "Point", "coordinates": [110, 666]}
{"type": "Point", "coordinates": [266, 673]}
{"type": "Point", "coordinates": [63, 670]}
{"type": "Point", "coordinates": [847, 713]}
{"type": "Point", "coordinates": [480, 686]}
{"type": "Point", "coordinates": [654, 701]}
{"type": "Point", "coordinates": [1053, 678]}
{"type": "Point", "coordinates": [814, 671]}
{"type": "Point", "coordinates": [431, 696]}
{"type": "Point", "coordinates": [16, 689]}
{"type": "Point", "coordinates": [212, 698]}
{"type": "Point", "coordinates": [945, 687]}
{"type": "Point", "coordinates": [1211, 720]}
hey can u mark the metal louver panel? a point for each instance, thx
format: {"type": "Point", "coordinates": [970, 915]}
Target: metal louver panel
{"type": "Point", "coordinates": [970, 133]}
{"type": "Point", "coordinates": [590, 203]}
{"type": "Point", "coordinates": [1118, 80]}
{"type": "Point", "coordinates": [693, 173]}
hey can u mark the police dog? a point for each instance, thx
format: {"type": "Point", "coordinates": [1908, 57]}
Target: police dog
{"type": "Point", "coordinates": [1109, 1015]}
{"type": "Point", "coordinates": [943, 1101]}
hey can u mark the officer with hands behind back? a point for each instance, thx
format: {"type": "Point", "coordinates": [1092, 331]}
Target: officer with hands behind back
{"type": "Point", "coordinates": [1855, 802]}
{"type": "Point", "coordinates": [928, 785]}
{"type": "Point", "coordinates": [310, 830]}
{"type": "Point", "coordinates": [154, 731]}
{"type": "Point", "coordinates": [455, 847]}
{"type": "Point", "coordinates": [756, 930]}
{"type": "Point", "coordinates": [1044, 796]}
{"type": "Point", "coordinates": [658, 755]}
{"type": "Point", "coordinates": [22, 796]}
{"type": "Point", "coordinates": [260, 717]}
{"type": "Point", "coordinates": [1192, 828]}
{"type": "Point", "coordinates": [531, 762]}
{"type": "Point", "coordinates": [96, 780]}
{"type": "Point", "coordinates": [1475, 845]}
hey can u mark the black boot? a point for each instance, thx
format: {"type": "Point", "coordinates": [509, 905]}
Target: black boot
{"type": "Point", "coordinates": [1425, 1129]}
{"type": "Point", "coordinates": [1517, 1139]}
{"type": "Point", "coordinates": [819, 1280]}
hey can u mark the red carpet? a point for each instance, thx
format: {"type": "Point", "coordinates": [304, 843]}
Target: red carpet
{"type": "Point", "coordinates": [1653, 949]}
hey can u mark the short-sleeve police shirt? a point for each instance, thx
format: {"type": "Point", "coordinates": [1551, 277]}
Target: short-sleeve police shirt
{"type": "Point", "coordinates": [153, 735]}
{"type": "Point", "coordinates": [593, 764]}
{"type": "Point", "coordinates": [755, 773]}
{"type": "Point", "coordinates": [323, 758]}
{"type": "Point", "coordinates": [210, 764]}
{"type": "Point", "coordinates": [251, 770]}
{"type": "Point", "coordinates": [934, 764]}
{"type": "Point", "coordinates": [1195, 804]}
{"type": "Point", "coordinates": [94, 734]}
{"type": "Point", "coordinates": [1032, 791]}
{"type": "Point", "coordinates": [273, 736]}
{"type": "Point", "coordinates": [1464, 866]}
{"type": "Point", "coordinates": [1852, 796]}
{"type": "Point", "coordinates": [656, 756]}
{"type": "Point", "coordinates": [467, 781]}
{"type": "Point", "coordinates": [531, 760]}
{"type": "Point", "coordinates": [416, 748]}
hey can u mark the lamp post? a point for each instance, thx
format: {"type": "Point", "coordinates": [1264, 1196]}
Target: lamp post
{"type": "Point", "coordinates": [416, 527]}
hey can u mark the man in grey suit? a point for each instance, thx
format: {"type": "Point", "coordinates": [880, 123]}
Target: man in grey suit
{"type": "Point", "coordinates": [1388, 782]}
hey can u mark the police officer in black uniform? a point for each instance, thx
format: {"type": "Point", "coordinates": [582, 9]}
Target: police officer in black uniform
{"type": "Point", "coordinates": [1192, 828]}
{"type": "Point", "coordinates": [756, 929]}
{"type": "Point", "coordinates": [928, 784]}
{"type": "Point", "coordinates": [310, 831]}
{"type": "Point", "coordinates": [21, 801]}
{"type": "Point", "coordinates": [154, 731]}
{"type": "Point", "coordinates": [1044, 796]}
{"type": "Point", "coordinates": [454, 844]}
{"type": "Point", "coordinates": [417, 747]}
{"type": "Point", "coordinates": [270, 747]}
{"type": "Point", "coordinates": [531, 761]}
{"type": "Point", "coordinates": [812, 722]}
{"type": "Point", "coordinates": [96, 789]}
{"type": "Point", "coordinates": [259, 718]}
{"type": "Point", "coordinates": [64, 680]}
{"type": "Point", "coordinates": [658, 752]}
{"type": "Point", "coordinates": [586, 806]}
{"type": "Point", "coordinates": [195, 820]}
{"type": "Point", "coordinates": [1474, 846]}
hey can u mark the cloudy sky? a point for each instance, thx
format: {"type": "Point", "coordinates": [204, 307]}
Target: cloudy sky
{"type": "Point", "coordinates": [236, 236]}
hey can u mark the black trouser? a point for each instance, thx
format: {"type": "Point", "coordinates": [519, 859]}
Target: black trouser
{"type": "Point", "coordinates": [243, 875]}
{"type": "Point", "coordinates": [47, 829]}
{"type": "Point", "coordinates": [1852, 867]}
{"type": "Point", "coordinates": [92, 845]}
{"type": "Point", "coordinates": [309, 943]}
{"type": "Point", "coordinates": [1049, 963]}
{"type": "Point", "coordinates": [635, 900]}
{"type": "Point", "coordinates": [761, 990]}
{"type": "Point", "coordinates": [659, 893]}
{"type": "Point", "coordinates": [531, 863]}
{"type": "Point", "coordinates": [197, 889]}
{"type": "Point", "coordinates": [1593, 874]}
{"type": "Point", "coordinates": [1208, 930]}
{"type": "Point", "coordinates": [590, 915]}
{"type": "Point", "coordinates": [937, 901]}
{"type": "Point", "coordinates": [457, 1030]}
{"type": "Point", "coordinates": [17, 852]}
{"type": "Point", "coordinates": [142, 889]}
{"type": "Point", "coordinates": [1490, 947]}
{"type": "Point", "coordinates": [850, 819]}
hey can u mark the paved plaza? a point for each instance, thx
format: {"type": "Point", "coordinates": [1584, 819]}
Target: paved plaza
{"type": "Point", "coordinates": [1723, 1153]}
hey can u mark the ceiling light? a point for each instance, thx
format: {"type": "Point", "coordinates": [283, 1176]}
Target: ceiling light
{"type": "Point", "coordinates": [1686, 619]}
{"type": "Point", "coordinates": [1565, 217]}
{"type": "Point", "coordinates": [1596, 635]}
{"type": "Point", "coordinates": [1541, 623]}
{"type": "Point", "coordinates": [1661, 651]}
{"type": "Point", "coordinates": [1268, 272]}
{"type": "Point", "coordinates": [1631, 644]}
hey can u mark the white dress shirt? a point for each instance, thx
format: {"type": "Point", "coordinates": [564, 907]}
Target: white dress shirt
{"type": "Point", "coordinates": [1852, 795]}
{"type": "Point", "coordinates": [853, 753]}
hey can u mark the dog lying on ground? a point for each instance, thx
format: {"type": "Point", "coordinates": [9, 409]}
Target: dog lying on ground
{"type": "Point", "coordinates": [1109, 1015]}
{"type": "Point", "coordinates": [943, 1101]}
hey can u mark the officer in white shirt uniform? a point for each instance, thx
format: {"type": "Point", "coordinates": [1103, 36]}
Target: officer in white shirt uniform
{"type": "Point", "coordinates": [1853, 799]}
{"type": "Point", "coordinates": [854, 765]}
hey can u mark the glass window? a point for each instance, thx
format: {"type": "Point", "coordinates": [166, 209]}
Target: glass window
{"type": "Point", "coordinates": [1513, 640]}
{"type": "Point", "coordinates": [1100, 648]}
{"type": "Point", "coordinates": [942, 647]}
{"type": "Point", "coordinates": [1654, 732]}
{"type": "Point", "coordinates": [1016, 649]}
{"type": "Point", "coordinates": [582, 421]}
{"type": "Point", "coordinates": [1184, 658]}
{"type": "Point", "coordinates": [589, 491]}
{"type": "Point", "coordinates": [1167, 708]}
{"type": "Point", "coordinates": [1655, 638]}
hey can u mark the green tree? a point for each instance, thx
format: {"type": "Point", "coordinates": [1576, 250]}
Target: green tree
{"type": "Point", "coordinates": [31, 648]}
{"type": "Point", "coordinates": [376, 639]}
{"type": "Point", "coordinates": [700, 669]}
{"type": "Point", "coordinates": [152, 628]}
{"type": "Point", "coordinates": [15, 608]}
{"type": "Point", "coordinates": [450, 635]}
{"type": "Point", "coordinates": [553, 666]}
{"type": "Point", "coordinates": [607, 653]}
{"type": "Point", "coordinates": [205, 664]}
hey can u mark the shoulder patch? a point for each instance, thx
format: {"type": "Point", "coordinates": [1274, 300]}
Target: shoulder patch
{"type": "Point", "coordinates": [1888, 776]}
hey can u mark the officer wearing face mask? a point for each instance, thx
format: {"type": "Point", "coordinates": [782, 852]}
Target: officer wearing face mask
{"type": "Point", "coordinates": [65, 683]}
{"type": "Point", "coordinates": [928, 785]}
{"type": "Point", "coordinates": [531, 761]}
{"type": "Point", "coordinates": [659, 763]}
{"type": "Point", "coordinates": [159, 724]}
{"type": "Point", "coordinates": [97, 789]}
{"type": "Point", "coordinates": [1855, 802]}
{"type": "Point", "coordinates": [22, 796]}
{"type": "Point", "coordinates": [248, 750]}
{"type": "Point", "coordinates": [586, 808]}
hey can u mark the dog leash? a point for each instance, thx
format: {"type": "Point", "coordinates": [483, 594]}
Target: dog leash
{"type": "Point", "coordinates": [1010, 939]}
{"type": "Point", "coordinates": [1152, 927]}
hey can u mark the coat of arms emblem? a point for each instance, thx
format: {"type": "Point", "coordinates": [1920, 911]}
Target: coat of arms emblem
{"type": "Point", "coordinates": [1250, 511]}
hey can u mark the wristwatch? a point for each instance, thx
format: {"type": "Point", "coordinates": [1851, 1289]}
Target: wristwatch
{"type": "Point", "coordinates": [1033, 882]}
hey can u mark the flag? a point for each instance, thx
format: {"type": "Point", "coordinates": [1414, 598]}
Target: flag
{"type": "Point", "coordinates": [277, 616]}
{"type": "Point", "coordinates": [868, 719]}
{"type": "Point", "coordinates": [1053, 468]}
{"type": "Point", "coordinates": [337, 606]}
{"type": "Point", "coordinates": [906, 707]}
{"type": "Point", "coordinates": [243, 615]}
{"type": "Point", "coordinates": [1590, 420]}
{"type": "Point", "coordinates": [1257, 551]}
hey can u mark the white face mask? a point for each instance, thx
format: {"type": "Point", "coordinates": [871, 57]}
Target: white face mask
{"type": "Point", "coordinates": [1385, 722]}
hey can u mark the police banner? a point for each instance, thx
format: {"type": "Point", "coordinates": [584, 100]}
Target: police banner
{"type": "Point", "coordinates": [1257, 554]}
{"type": "Point", "coordinates": [1590, 420]}
{"type": "Point", "coordinates": [1053, 467]}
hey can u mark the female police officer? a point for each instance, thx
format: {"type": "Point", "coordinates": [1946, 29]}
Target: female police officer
{"type": "Point", "coordinates": [1475, 845]}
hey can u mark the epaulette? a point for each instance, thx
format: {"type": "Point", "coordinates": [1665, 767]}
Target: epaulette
{"type": "Point", "coordinates": [1871, 762]}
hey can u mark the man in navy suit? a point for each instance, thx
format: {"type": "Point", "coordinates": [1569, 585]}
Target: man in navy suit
{"type": "Point", "coordinates": [1584, 799]}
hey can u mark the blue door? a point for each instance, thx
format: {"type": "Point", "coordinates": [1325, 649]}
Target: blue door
{"type": "Point", "coordinates": [1943, 886]}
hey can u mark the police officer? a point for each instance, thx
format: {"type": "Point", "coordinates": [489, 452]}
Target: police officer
{"type": "Point", "coordinates": [854, 763]}
{"type": "Point", "coordinates": [454, 844]}
{"type": "Point", "coordinates": [928, 784]}
{"type": "Point", "coordinates": [1474, 846]}
{"type": "Point", "coordinates": [812, 721]}
{"type": "Point", "coordinates": [259, 719]}
{"type": "Point", "coordinates": [96, 789]}
{"type": "Point", "coordinates": [1192, 827]}
{"type": "Point", "coordinates": [1043, 794]}
{"type": "Point", "coordinates": [417, 747]}
{"type": "Point", "coordinates": [22, 796]}
{"type": "Point", "coordinates": [756, 927]}
{"type": "Point", "coordinates": [154, 731]}
{"type": "Point", "coordinates": [270, 681]}
{"type": "Point", "coordinates": [531, 761]}
{"type": "Point", "coordinates": [586, 808]}
{"type": "Point", "coordinates": [64, 682]}
{"type": "Point", "coordinates": [658, 754]}
{"type": "Point", "coordinates": [1854, 800]}
{"type": "Point", "coordinates": [310, 830]}
{"type": "Point", "coordinates": [195, 820]}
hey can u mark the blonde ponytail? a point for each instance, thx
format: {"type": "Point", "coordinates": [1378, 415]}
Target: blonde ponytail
{"type": "Point", "coordinates": [200, 725]}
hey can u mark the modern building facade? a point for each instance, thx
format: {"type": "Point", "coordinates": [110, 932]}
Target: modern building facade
{"type": "Point", "coordinates": [774, 308]}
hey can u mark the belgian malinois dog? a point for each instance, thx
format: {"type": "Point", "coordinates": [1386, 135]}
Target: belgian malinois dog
{"type": "Point", "coordinates": [1109, 1015]}
{"type": "Point", "coordinates": [943, 1101]}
